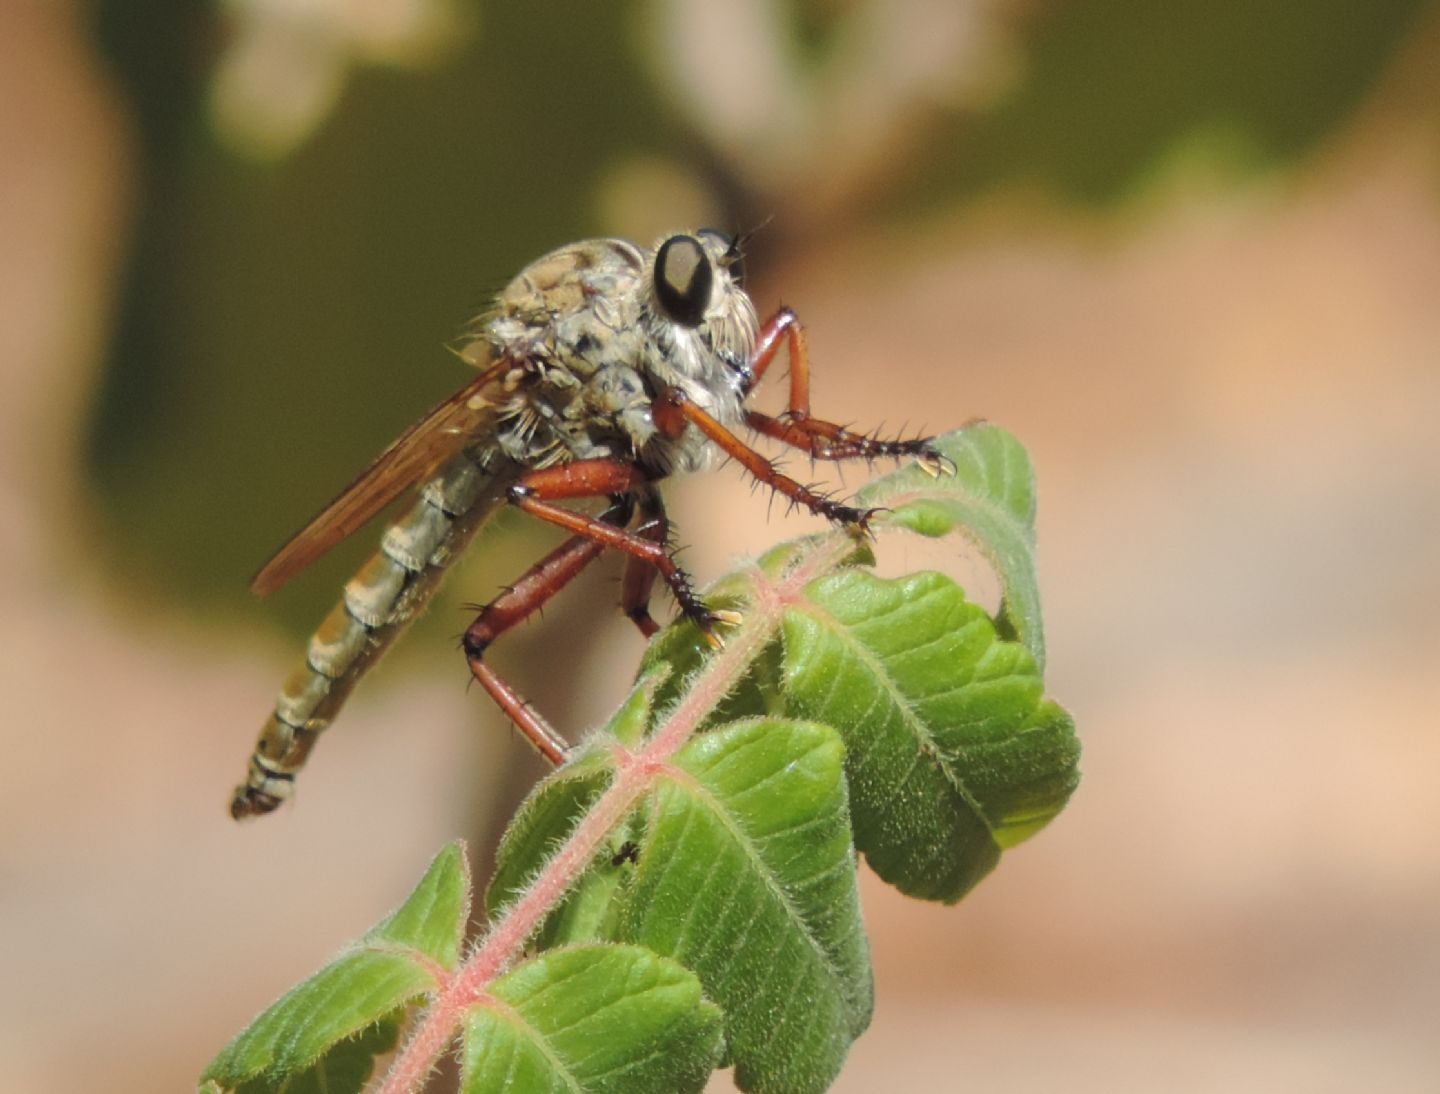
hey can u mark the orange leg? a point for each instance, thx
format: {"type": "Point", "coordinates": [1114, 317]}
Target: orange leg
{"type": "Point", "coordinates": [675, 409]}
{"type": "Point", "coordinates": [640, 575]}
{"type": "Point", "coordinates": [537, 585]}
{"type": "Point", "coordinates": [784, 326]}
{"type": "Point", "coordinates": [592, 535]}
{"type": "Point", "coordinates": [821, 439]}
{"type": "Point", "coordinates": [537, 491]}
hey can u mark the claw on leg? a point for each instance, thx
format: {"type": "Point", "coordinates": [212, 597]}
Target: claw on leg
{"type": "Point", "coordinates": [717, 617]}
{"type": "Point", "coordinates": [935, 463]}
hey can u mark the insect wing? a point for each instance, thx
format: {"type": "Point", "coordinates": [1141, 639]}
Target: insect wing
{"type": "Point", "coordinates": [414, 456]}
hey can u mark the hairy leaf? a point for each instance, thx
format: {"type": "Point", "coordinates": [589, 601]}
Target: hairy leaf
{"type": "Point", "coordinates": [550, 813]}
{"type": "Point", "coordinates": [746, 875]}
{"type": "Point", "coordinates": [744, 872]}
{"type": "Point", "coordinates": [603, 1019]}
{"type": "Point", "coordinates": [543, 820]}
{"type": "Point", "coordinates": [362, 990]}
{"type": "Point", "coordinates": [991, 501]}
{"type": "Point", "coordinates": [344, 1069]}
{"type": "Point", "coordinates": [952, 755]}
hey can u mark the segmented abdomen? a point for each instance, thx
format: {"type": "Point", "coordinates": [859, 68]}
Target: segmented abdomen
{"type": "Point", "coordinates": [388, 592]}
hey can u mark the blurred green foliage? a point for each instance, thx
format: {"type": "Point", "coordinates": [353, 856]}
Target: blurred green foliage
{"type": "Point", "coordinates": [279, 324]}
{"type": "Point", "coordinates": [1111, 86]}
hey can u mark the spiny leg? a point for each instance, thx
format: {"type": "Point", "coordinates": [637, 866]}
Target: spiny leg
{"type": "Point", "coordinates": [674, 409]}
{"type": "Point", "coordinates": [537, 491]}
{"type": "Point", "coordinates": [537, 585]}
{"type": "Point", "coordinates": [648, 557]}
{"type": "Point", "coordinates": [821, 439]}
{"type": "Point", "coordinates": [827, 441]}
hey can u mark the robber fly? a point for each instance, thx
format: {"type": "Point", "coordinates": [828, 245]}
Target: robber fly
{"type": "Point", "coordinates": [603, 369]}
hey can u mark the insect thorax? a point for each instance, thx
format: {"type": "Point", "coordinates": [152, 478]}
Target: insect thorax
{"type": "Point", "coordinates": [588, 352]}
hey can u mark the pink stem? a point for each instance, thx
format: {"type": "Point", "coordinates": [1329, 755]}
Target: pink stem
{"type": "Point", "coordinates": [635, 773]}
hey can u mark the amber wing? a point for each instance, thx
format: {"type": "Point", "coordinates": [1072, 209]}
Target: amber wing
{"type": "Point", "coordinates": [411, 459]}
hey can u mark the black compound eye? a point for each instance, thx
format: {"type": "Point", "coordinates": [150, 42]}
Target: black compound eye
{"type": "Point", "coordinates": [683, 279]}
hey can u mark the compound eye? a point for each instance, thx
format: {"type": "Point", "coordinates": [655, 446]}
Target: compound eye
{"type": "Point", "coordinates": [683, 280]}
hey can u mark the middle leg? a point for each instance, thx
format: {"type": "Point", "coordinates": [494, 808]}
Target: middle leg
{"type": "Point", "coordinates": [537, 492]}
{"type": "Point", "coordinates": [647, 547]}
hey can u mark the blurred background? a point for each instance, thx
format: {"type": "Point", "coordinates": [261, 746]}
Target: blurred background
{"type": "Point", "coordinates": [1188, 253]}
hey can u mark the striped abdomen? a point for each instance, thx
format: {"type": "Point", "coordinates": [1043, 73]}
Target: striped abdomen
{"type": "Point", "coordinates": [390, 590]}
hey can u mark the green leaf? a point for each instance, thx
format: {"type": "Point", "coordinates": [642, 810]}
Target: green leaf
{"type": "Point", "coordinates": [344, 1069]}
{"type": "Point", "coordinates": [547, 817]}
{"type": "Point", "coordinates": [678, 651]}
{"type": "Point", "coordinates": [364, 989]}
{"type": "Point", "coordinates": [432, 919]}
{"type": "Point", "coordinates": [991, 501]}
{"type": "Point", "coordinates": [603, 1019]}
{"type": "Point", "coordinates": [541, 823]}
{"type": "Point", "coordinates": [746, 875]}
{"type": "Point", "coordinates": [951, 753]}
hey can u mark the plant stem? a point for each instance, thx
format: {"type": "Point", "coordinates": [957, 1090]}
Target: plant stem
{"type": "Point", "coordinates": [635, 773]}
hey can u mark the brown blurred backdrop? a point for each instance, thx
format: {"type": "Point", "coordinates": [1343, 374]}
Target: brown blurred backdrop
{"type": "Point", "coordinates": [1188, 253]}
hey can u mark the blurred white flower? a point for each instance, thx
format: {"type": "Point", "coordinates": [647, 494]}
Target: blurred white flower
{"type": "Point", "coordinates": [816, 131]}
{"type": "Point", "coordinates": [288, 61]}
